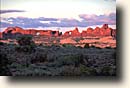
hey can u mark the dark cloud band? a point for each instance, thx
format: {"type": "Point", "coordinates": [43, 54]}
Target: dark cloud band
{"type": "Point", "coordinates": [10, 11]}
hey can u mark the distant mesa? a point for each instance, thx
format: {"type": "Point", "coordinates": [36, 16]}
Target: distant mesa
{"type": "Point", "coordinates": [105, 30]}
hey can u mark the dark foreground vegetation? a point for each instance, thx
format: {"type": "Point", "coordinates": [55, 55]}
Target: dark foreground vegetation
{"type": "Point", "coordinates": [28, 59]}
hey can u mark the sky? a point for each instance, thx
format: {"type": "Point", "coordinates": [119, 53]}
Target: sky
{"type": "Point", "coordinates": [52, 13]}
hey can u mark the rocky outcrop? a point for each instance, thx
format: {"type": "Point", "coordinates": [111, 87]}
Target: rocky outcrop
{"type": "Point", "coordinates": [105, 26]}
{"type": "Point", "coordinates": [67, 41]}
{"type": "Point", "coordinates": [67, 34]}
{"type": "Point", "coordinates": [105, 30]}
{"type": "Point", "coordinates": [0, 34]}
{"type": "Point", "coordinates": [75, 32]}
{"type": "Point", "coordinates": [72, 33]}
{"type": "Point", "coordinates": [13, 31]}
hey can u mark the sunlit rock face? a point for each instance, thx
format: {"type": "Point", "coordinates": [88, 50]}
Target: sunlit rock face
{"type": "Point", "coordinates": [75, 32]}
{"type": "Point", "coordinates": [105, 30]}
{"type": "Point", "coordinates": [90, 32]}
{"type": "Point", "coordinates": [67, 34]}
{"type": "Point", "coordinates": [72, 33]}
{"type": "Point", "coordinates": [17, 30]}
{"type": "Point", "coordinates": [97, 32]}
{"type": "Point", "coordinates": [0, 34]}
{"type": "Point", "coordinates": [67, 41]}
{"type": "Point", "coordinates": [105, 26]}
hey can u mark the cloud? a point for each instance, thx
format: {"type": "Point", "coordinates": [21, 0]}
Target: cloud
{"type": "Point", "coordinates": [99, 19]}
{"type": "Point", "coordinates": [10, 11]}
{"type": "Point", "coordinates": [87, 20]}
{"type": "Point", "coordinates": [47, 19]}
{"type": "Point", "coordinates": [110, 0]}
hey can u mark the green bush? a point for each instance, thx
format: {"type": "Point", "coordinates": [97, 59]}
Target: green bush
{"type": "Point", "coordinates": [79, 47]}
{"type": "Point", "coordinates": [25, 40]}
{"type": "Point", "coordinates": [25, 44]}
{"type": "Point", "coordinates": [39, 57]}
{"type": "Point", "coordinates": [68, 45]}
{"type": "Point", "coordinates": [78, 39]}
{"type": "Point", "coordinates": [70, 60]}
{"type": "Point", "coordinates": [1, 43]}
{"type": "Point", "coordinates": [87, 70]}
{"type": "Point", "coordinates": [108, 47]}
{"type": "Point", "coordinates": [86, 45]}
{"type": "Point", "coordinates": [25, 49]}
{"type": "Point", "coordinates": [108, 71]}
{"type": "Point", "coordinates": [4, 65]}
{"type": "Point", "coordinates": [67, 71]}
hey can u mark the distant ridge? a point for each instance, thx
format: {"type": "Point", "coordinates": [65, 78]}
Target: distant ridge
{"type": "Point", "coordinates": [105, 30]}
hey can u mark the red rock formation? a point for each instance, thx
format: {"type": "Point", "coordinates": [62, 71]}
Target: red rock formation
{"type": "Point", "coordinates": [113, 33]}
{"type": "Point", "coordinates": [75, 32]}
{"type": "Point", "coordinates": [108, 32]}
{"type": "Point", "coordinates": [103, 31]}
{"type": "Point", "coordinates": [0, 34]}
{"type": "Point", "coordinates": [9, 29]}
{"type": "Point", "coordinates": [84, 33]}
{"type": "Point", "coordinates": [97, 31]}
{"type": "Point", "coordinates": [14, 30]}
{"type": "Point", "coordinates": [105, 26]}
{"type": "Point", "coordinates": [67, 34]}
{"type": "Point", "coordinates": [89, 32]}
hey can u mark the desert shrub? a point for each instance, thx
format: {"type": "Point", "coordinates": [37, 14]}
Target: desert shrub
{"type": "Point", "coordinates": [70, 71]}
{"type": "Point", "coordinates": [17, 66]}
{"type": "Point", "coordinates": [25, 44]}
{"type": "Point", "coordinates": [114, 56]}
{"type": "Point", "coordinates": [108, 47]}
{"type": "Point", "coordinates": [79, 47]}
{"type": "Point", "coordinates": [67, 71]}
{"type": "Point", "coordinates": [70, 60]}
{"type": "Point", "coordinates": [38, 57]}
{"type": "Point", "coordinates": [87, 70]}
{"type": "Point", "coordinates": [86, 45]}
{"type": "Point", "coordinates": [24, 40]}
{"type": "Point", "coordinates": [51, 57]}
{"type": "Point", "coordinates": [108, 71]}
{"type": "Point", "coordinates": [1, 43]}
{"type": "Point", "coordinates": [4, 64]}
{"type": "Point", "coordinates": [98, 48]}
{"type": "Point", "coordinates": [68, 45]}
{"type": "Point", "coordinates": [93, 46]}
{"type": "Point", "coordinates": [78, 39]}
{"type": "Point", "coordinates": [55, 45]}
{"type": "Point", "coordinates": [27, 48]}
